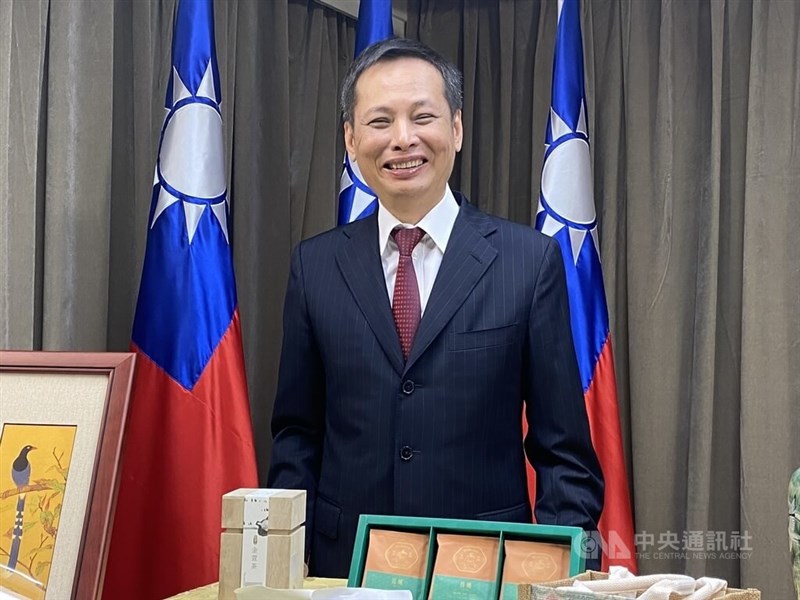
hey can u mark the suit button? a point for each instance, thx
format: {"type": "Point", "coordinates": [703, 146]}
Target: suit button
{"type": "Point", "coordinates": [408, 387]}
{"type": "Point", "coordinates": [406, 453]}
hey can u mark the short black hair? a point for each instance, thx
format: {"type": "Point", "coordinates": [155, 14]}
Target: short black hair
{"type": "Point", "coordinates": [393, 49]}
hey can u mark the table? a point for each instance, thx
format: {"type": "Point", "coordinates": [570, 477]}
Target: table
{"type": "Point", "coordinates": [209, 592]}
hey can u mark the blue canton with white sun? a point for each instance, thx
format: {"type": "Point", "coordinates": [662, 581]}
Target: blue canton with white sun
{"type": "Point", "coordinates": [187, 295]}
{"type": "Point", "coordinates": [566, 203]}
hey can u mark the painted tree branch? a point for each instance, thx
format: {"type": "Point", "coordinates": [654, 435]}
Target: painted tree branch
{"type": "Point", "coordinates": [32, 487]}
{"type": "Point", "coordinates": [58, 459]}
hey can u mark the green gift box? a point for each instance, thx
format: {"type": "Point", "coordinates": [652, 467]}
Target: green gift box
{"type": "Point", "coordinates": [572, 537]}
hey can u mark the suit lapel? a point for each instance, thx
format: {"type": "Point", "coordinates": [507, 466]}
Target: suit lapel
{"type": "Point", "coordinates": [465, 261]}
{"type": "Point", "coordinates": [360, 264]}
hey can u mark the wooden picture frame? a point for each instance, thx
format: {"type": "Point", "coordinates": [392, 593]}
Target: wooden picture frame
{"type": "Point", "coordinates": [87, 392]}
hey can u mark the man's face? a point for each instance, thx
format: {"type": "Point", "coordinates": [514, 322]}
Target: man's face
{"type": "Point", "coordinates": [403, 135]}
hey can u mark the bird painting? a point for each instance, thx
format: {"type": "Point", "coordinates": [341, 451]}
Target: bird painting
{"type": "Point", "coordinates": [35, 459]}
{"type": "Point", "coordinates": [794, 528]}
{"type": "Point", "coordinates": [21, 476]}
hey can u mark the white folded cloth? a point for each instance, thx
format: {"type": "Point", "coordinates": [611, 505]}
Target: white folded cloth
{"type": "Point", "coordinates": [622, 582]}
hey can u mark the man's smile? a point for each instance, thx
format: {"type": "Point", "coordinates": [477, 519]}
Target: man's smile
{"type": "Point", "coordinates": [410, 163]}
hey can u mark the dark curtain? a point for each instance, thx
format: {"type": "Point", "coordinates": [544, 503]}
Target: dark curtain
{"type": "Point", "coordinates": [693, 113]}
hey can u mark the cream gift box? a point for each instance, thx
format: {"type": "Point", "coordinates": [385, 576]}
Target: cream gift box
{"type": "Point", "coordinates": [263, 539]}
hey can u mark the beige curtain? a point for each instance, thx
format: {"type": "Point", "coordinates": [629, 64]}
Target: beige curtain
{"type": "Point", "coordinates": [695, 120]}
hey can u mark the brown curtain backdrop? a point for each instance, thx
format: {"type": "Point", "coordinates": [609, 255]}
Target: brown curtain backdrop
{"type": "Point", "coordinates": [694, 110]}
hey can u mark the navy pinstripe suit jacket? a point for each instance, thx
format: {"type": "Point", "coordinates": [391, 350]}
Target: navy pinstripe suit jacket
{"type": "Point", "coordinates": [439, 435]}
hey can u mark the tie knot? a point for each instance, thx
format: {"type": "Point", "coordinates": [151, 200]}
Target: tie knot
{"type": "Point", "coordinates": [407, 239]}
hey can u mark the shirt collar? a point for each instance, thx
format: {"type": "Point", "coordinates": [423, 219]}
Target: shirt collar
{"type": "Point", "coordinates": [438, 223]}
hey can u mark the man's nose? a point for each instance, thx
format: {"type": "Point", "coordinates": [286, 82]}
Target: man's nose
{"type": "Point", "coordinates": [403, 135]}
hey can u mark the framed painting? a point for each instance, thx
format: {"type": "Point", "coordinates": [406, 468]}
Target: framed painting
{"type": "Point", "coordinates": [62, 418]}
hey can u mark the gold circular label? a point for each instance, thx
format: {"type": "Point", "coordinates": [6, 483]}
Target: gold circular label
{"type": "Point", "coordinates": [401, 555]}
{"type": "Point", "coordinates": [469, 559]}
{"type": "Point", "coordinates": [539, 567]}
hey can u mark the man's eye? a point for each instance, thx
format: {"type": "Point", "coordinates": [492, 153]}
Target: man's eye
{"type": "Point", "coordinates": [380, 122]}
{"type": "Point", "coordinates": [424, 118]}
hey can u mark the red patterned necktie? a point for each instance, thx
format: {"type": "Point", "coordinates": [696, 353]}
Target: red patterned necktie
{"type": "Point", "coordinates": [405, 305]}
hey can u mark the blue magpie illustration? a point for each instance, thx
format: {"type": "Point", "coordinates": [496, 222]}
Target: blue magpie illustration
{"type": "Point", "coordinates": [21, 475]}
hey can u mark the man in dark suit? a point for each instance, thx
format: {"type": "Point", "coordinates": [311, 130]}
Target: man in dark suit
{"type": "Point", "coordinates": [413, 336]}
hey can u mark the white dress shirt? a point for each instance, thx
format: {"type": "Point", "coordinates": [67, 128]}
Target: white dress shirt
{"type": "Point", "coordinates": [427, 255]}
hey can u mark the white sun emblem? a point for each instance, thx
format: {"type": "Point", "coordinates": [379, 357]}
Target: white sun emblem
{"type": "Point", "coordinates": [362, 197]}
{"type": "Point", "coordinates": [567, 183]}
{"type": "Point", "coordinates": [191, 157]}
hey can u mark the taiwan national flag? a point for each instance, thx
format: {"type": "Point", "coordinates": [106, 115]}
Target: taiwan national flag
{"type": "Point", "coordinates": [567, 213]}
{"type": "Point", "coordinates": [189, 437]}
{"type": "Point", "coordinates": [356, 200]}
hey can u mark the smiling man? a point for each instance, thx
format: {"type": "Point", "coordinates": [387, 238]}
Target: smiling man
{"type": "Point", "coordinates": [412, 338]}
{"type": "Point", "coordinates": [404, 135]}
